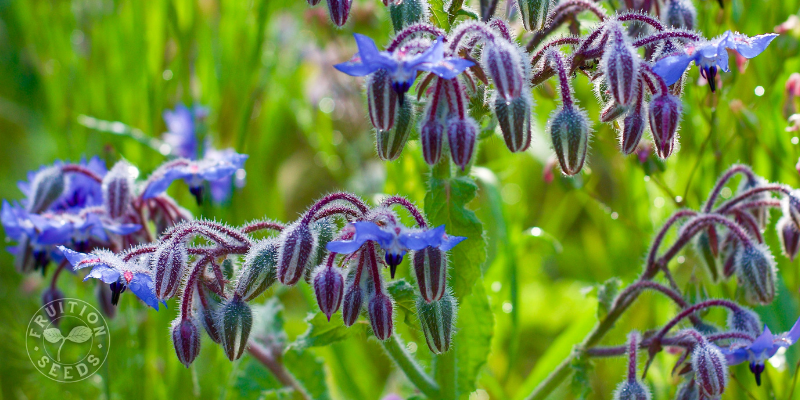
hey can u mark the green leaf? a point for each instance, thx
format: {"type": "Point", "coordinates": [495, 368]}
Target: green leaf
{"type": "Point", "coordinates": [322, 332]}
{"type": "Point", "coordinates": [268, 325]}
{"type": "Point", "coordinates": [309, 370]}
{"type": "Point", "coordinates": [606, 293]}
{"type": "Point", "coordinates": [581, 384]}
{"type": "Point", "coordinates": [53, 335]}
{"type": "Point", "coordinates": [468, 13]}
{"type": "Point", "coordinates": [405, 299]}
{"type": "Point", "coordinates": [438, 14]}
{"type": "Point", "coordinates": [79, 334]}
{"type": "Point", "coordinates": [473, 339]}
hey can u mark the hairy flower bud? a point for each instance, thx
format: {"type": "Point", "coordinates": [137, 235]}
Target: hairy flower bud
{"type": "Point", "coordinates": [514, 117]}
{"type": "Point", "coordinates": [186, 339]}
{"type": "Point", "coordinates": [208, 310]}
{"type": "Point", "coordinates": [680, 14]}
{"type": "Point", "coordinates": [503, 63]}
{"type": "Point", "coordinates": [462, 135]}
{"type": "Point", "coordinates": [297, 245]}
{"type": "Point", "coordinates": [54, 300]}
{"type": "Point", "coordinates": [169, 264]}
{"type": "Point", "coordinates": [430, 266]}
{"type": "Point", "coordinates": [612, 111]}
{"type": "Point", "coordinates": [380, 310]}
{"type": "Point", "coordinates": [761, 214]}
{"type": "Point", "coordinates": [328, 287]}
{"type": "Point", "coordinates": [570, 132]}
{"type": "Point", "coordinates": [407, 12]}
{"type": "Point", "coordinates": [710, 369]}
{"type": "Point", "coordinates": [339, 10]}
{"type": "Point", "coordinates": [118, 189]}
{"type": "Point", "coordinates": [259, 270]}
{"type": "Point", "coordinates": [631, 390]}
{"type": "Point", "coordinates": [381, 100]}
{"type": "Point", "coordinates": [745, 320]}
{"type": "Point", "coordinates": [665, 115]}
{"type": "Point", "coordinates": [632, 130]}
{"type": "Point", "coordinates": [390, 143]}
{"type": "Point", "coordinates": [47, 186]}
{"type": "Point", "coordinates": [431, 136]}
{"type": "Point", "coordinates": [236, 319]}
{"type": "Point", "coordinates": [534, 13]}
{"type": "Point", "coordinates": [351, 305]}
{"type": "Point", "coordinates": [789, 236]}
{"type": "Point", "coordinates": [620, 65]}
{"type": "Point", "coordinates": [438, 320]}
{"type": "Point", "coordinates": [791, 207]}
{"type": "Point", "coordinates": [688, 391]}
{"type": "Point", "coordinates": [324, 229]}
{"type": "Point", "coordinates": [755, 268]}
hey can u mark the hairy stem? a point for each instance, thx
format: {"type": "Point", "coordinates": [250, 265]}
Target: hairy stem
{"type": "Point", "coordinates": [413, 371]}
{"type": "Point", "coordinates": [267, 358]}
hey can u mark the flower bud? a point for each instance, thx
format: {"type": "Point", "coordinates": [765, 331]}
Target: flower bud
{"type": "Point", "coordinates": [515, 121]}
{"type": "Point", "coordinates": [462, 135]}
{"type": "Point", "coordinates": [688, 391]}
{"type": "Point", "coordinates": [117, 189]}
{"type": "Point", "coordinates": [380, 311]}
{"type": "Point", "coordinates": [680, 14]}
{"type": "Point", "coordinates": [351, 305]}
{"type": "Point", "coordinates": [728, 253]}
{"type": "Point", "coordinates": [430, 266]}
{"type": "Point", "coordinates": [620, 65]}
{"type": "Point", "coordinates": [755, 269]}
{"type": "Point", "coordinates": [534, 13]}
{"type": "Point", "coordinates": [761, 214]}
{"type": "Point", "coordinates": [407, 12]}
{"type": "Point", "coordinates": [339, 10]}
{"type": "Point", "coordinates": [569, 130]}
{"type": "Point", "coordinates": [381, 100]}
{"type": "Point", "coordinates": [297, 245]}
{"type": "Point", "coordinates": [236, 321]}
{"type": "Point", "coordinates": [504, 64]}
{"type": "Point", "coordinates": [632, 130]}
{"type": "Point", "coordinates": [169, 264]}
{"type": "Point", "coordinates": [186, 339]}
{"type": "Point", "coordinates": [789, 236]}
{"type": "Point", "coordinates": [324, 229]}
{"type": "Point", "coordinates": [745, 320]}
{"type": "Point", "coordinates": [47, 186]}
{"type": "Point", "coordinates": [54, 300]}
{"type": "Point", "coordinates": [631, 390]}
{"type": "Point", "coordinates": [259, 270]}
{"type": "Point", "coordinates": [208, 309]}
{"type": "Point", "coordinates": [438, 320]}
{"type": "Point", "coordinates": [328, 287]}
{"type": "Point", "coordinates": [612, 111]}
{"type": "Point", "coordinates": [791, 207]}
{"type": "Point", "coordinates": [431, 133]}
{"type": "Point", "coordinates": [703, 247]}
{"type": "Point", "coordinates": [391, 142]}
{"type": "Point", "coordinates": [665, 114]}
{"type": "Point", "coordinates": [710, 369]}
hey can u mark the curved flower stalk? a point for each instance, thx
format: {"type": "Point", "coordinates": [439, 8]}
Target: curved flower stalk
{"type": "Point", "coordinates": [479, 63]}
{"type": "Point", "coordinates": [727, 236]}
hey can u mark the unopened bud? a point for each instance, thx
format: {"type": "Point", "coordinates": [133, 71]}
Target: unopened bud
{"type": "Point", "coordinates": [236, 321]}
{"type": "Point", "coordinates": [297, 245]}
{"type": "Point", "coordinates": [380, 310]}
{"type": "Point", "coordinates": [791, 207]}
{"type": "Point", "coordinates": [208, 310]}
{"type": "Point", "coordinates": [430, 266]}
{"type": "Point", "coordinates": [503, 63]}
{"type": "Point", "coordinates": [755, 269]}
{"type": "Point", "coordinates": [612, 111]}
{"type": "Point", "coordinates": [118, 189]}
{"type": "Point", "coordinates": [665, 115]}
{"type": "Point", "coordinates": [328, 287]}
{"type": "Point", "coordinates": [381, 100]}
{"type": "Point", "coordinates": [620, 65]}
{"type": "Point", "coordinates": [186, 339]}
{"type": "Point", "coordinates": [789, 236]}
{"type": "Point", "coordinates": [710, 369]}
{"type": "Point", "coordinates": [634, 390]}
{"type": "Point", "coordinates": [259, 270]}
{"type": "Point", "coordinates": [53, 299]}
{"type": "Point", "coordinates": [688, 391]}
{"type": "Point", "coordinates": [47, 186]}
{"type": "Point", "coordinates": [431, 136]}
{"type": "Point", "coordinates": [407, 12]}
{"type": "Point", "coordinates": [390, 143]}
{"type": "Point", "coordinates": [339, 10]}
{"type": "Point", "coordinates": [569, 130]}
{"type": "Point", "coordinates": [324, 229]}
{"type": "Point", "coordinates": [169, 264]}
{"type": "Point", "coordinates": [438, 320]}
{"type": "Point", "coordinates": [745, 320]}
{"type": "Point", "coordinates": [632, 130]}
{"type": "Point", "coordinates": [680, 14]}
{"type": "Point", "coordinates": [534, 13]}
{"type": "Point", "coordinates": [514, 117]}
{"type": "Point", "coordinates": [351, 305]}
{"type": "Point", "coordinates": [761, 214]}
{"type": "Point", "coordinates": [462, 135]}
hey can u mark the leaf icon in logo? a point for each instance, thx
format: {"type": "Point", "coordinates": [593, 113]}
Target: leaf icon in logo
{"type": "Point", "coordinates": [53, 335]}
{"type": "Point", "coordinates": [79, 334]}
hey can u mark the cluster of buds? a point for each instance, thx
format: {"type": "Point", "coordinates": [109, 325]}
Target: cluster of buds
{"type": "Point", "coordinates": [84, 207]}
{"type": "Point", "coordinates": [339, 246]}
{"type": "Point", "coordinates": [637, 72]}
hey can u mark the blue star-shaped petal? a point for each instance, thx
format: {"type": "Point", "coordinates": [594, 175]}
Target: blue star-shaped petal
{"type": "Point", "coordinates": [763, 348]}
{"type": "Point", "coordinates": [195, 172]}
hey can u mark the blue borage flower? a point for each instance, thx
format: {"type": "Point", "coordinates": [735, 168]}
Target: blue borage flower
{"type": "Point", "coordinates": [711, 55]}
{"type": "Point", "coordinates": [110, 268]}
{"type": "Point", "coordinates": [401, 64]}
{"type": "Point", "coordinates": [762, 349]}
{"type": "Point", "coordinates": [220, 165]}
{"type": "Point", "coordinates": [395, 240]}
{"type": "Point", "coordinates": [182, 130]}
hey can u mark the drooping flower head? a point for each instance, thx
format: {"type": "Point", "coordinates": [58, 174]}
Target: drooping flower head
{"type": "Point", "coordinates": [402, 64]}
{"type": "Point", "coordinates": [711, 55]}
{"type": "Point", "coordinates": [221, 166]}
{"type": "Point", "coordinates": [762, 349]}
{"type": "Point", "coordinates": [79, 190]}
{"type": "Point", "coordinates": [182, 125]}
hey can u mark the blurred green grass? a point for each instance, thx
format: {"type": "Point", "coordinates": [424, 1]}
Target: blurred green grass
{"type": "Point", "coordinates": [264, 68]}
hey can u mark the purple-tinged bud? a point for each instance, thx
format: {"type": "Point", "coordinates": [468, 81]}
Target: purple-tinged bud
{"type": "Point", "coordinates": [789, 236]}
{"type": "Point", "coordinates": [430, 266]}
{"type": "Point", "coordinates": [380, 310]}
{"type": "Point", "coordinates": [118, 189]}
{"type": "Point", "coordinates": [259, 270]}
{"type": "Point", "coordinates": [236, 319]}
{"type": "Point", "coordinates": [53, 299]}
{"type": "Point", "coordinates": [688, 391]}
{"type": "Point", "coordinates": [503, 63]}
{"type": "Point", "coordinates": [791, 207]}
{"type": "Point", "coordinates": [761, 214]}
{"type": "Point", "coordinates": [169, 264]}
{"type": "Point", "coordinates": [534, 13]}
{"type": "Point", "coordinates": [462, 135]}
{"type": "Point", "coordinates": [47, 186]}
{"type": "Point", "coordinates": [390, 143]}
{"type": "Point", "coordinates": [628, 390]}
{"type": "Point", "coordinates": [186, 339]}
{"type": "Point", "coordinates": [665, 115]}
{"type": "Point", "coordinates": [325, 229]}
{"type": "Point", "coordinates": [104, 294]}
{"type": "Point", "coordinates": [351, 305]}
{"type": "Point", "coordinates": [208, 309]}
{"type": "Point", "coordinates": [438, 320]}
{"type": "Point", "coordinates": [612, 111]}
{"type": "Point", "coordinates": [710, 369]}
{"type": "Point", "coordinates": [745, 320]}
{"type": "Point", "coordinates": [431, 136]}
{"type": "Point", "coordinates": [680, 14]}
{"type": "Point", "coordinates": [728, 253]}
{"type": "Point", "coordinates": [632, 130]}
{"type": "Point", "coordinates": [297, 245]}
{"type": "Point", "coordinates": [755, 269]}
{"type": "Point", "coordinates": [381, 100]}
{"type": "Point", "coordinates": [328, 287]}
{"type": "Point", "coordinates": [703, 247]}
{"type": "Point", "coordinates": [570, 132]}
{"type": "Point", "coordinates": [339, 10]}
{"type": "Point", "coordinates": [515, 121]}
{"type": "Point", "coordinates": [620, 65]}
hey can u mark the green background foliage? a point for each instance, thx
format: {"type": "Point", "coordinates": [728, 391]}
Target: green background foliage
{"type": "Point", "coordinates": [264, 69]}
